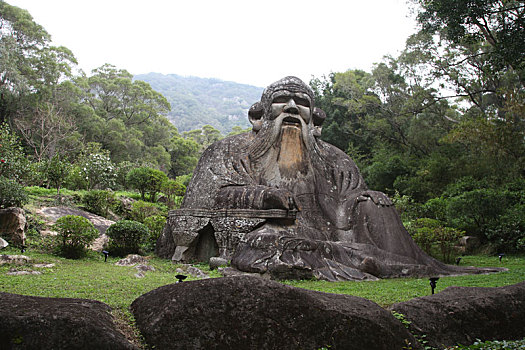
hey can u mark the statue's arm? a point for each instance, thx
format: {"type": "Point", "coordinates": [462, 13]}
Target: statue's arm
{"type": "Point", "coordinates": [254, 197]}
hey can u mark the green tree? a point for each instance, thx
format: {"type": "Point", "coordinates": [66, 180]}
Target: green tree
{"type": "Point", "coordinates": [13, 163]}
{"type": "Point", "coordinates": [57, 172]}
{"type": "Point", "coordinates": [184, 156]}
{"type": "Point", "coordinates": [204, 136]}
{"type": "Point", "coordinates": [146, 180]}
{"type": "Point", "coordinates": [97, 168]}
{"type": "Point", "coordinates": [172, 188]}
{"type": "Point", "coordinates": [129, 116]}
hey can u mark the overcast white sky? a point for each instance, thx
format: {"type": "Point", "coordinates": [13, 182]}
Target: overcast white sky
{"type": "Point", "coordinates": [251, 42]}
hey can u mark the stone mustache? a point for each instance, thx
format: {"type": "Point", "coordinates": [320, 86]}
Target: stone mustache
{"type": "Point", "coordinates": [280, 201]}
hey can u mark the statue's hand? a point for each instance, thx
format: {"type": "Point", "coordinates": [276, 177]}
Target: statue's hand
{"type": "Point", "coordinates": [277, 198]}
{"type": "Point", "coordinates": [379, 198]}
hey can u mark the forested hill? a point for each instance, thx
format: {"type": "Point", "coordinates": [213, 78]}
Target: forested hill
{"type": "Point", "coordinates": [199, 101]}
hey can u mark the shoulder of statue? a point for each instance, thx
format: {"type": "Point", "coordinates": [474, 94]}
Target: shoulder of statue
{"type": "Point", "coordinates": [233, 143]}
{"type": "Point", "coordinates": [334, 155]}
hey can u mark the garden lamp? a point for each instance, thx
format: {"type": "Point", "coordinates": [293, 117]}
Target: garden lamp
{"type": "Point", "coordinates": [433, 283]}
{"type": "Point", "coordinates": [180, 278]}
{"type": "Point", "coordinates": [106, 253]}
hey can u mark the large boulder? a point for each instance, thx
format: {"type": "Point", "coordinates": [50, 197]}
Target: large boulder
{"type": "Point", "coordinates": [29, 322]}
{"type": "Point", "coordinates": [12, 225]}
{"type": "Point", "coordinates": [247, 312]}
{"type": "Point", "coordinates": [460, 315]}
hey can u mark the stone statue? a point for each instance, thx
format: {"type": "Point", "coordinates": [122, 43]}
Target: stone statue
{"type": "Point", "coordinates": [280, 201]}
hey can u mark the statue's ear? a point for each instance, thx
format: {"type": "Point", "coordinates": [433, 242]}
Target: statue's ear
{"type": "Point", "coordinates": [255, 116]}
{"type": "Point", "coordinates": [318, 118]}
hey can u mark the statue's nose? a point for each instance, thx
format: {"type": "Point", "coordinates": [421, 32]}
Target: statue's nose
{"type": "Point", "coordinates": [291, 107]}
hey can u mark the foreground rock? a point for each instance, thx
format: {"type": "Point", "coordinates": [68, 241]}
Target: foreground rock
{"type": "Point", "coordinates": [12, 225]}
{"type": "Point", "coordinates": [56, 323]}
{"type": "Point", "coordinates": [252, 313]}
{"type": "Point", "coordinates": [460, 315]}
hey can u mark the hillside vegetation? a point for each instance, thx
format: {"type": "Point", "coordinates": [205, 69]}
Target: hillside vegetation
{"type": "Point", "coordinates": [196, 102]}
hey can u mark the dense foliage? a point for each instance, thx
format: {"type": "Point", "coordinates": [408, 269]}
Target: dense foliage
{"type": "Point", "coordinates": [126, 237]}
{"type": "Point", "coordinates": [12, 194]}
{"type": "Point", "coordinates": [74, 234]}
{"type": "Point", "coordinates": [442, 126]}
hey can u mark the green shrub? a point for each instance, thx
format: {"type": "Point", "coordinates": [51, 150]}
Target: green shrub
{"type": "Point", "coordinates": [122, 170]}
{"type": "Point", "coordinates": [76, 180]}
{"type": "Point", "coordinates": [155, 226]}
{"type": "Point", "coordinates": [12, 194]}
{"type": "Point", "coordinates": [75, 233]}
{"type": "Point", "coordinates": [509, 234]}
{"type": "Point", "coordinates": [429, 232]}
{"type": "Point", "coordinates": [99, 201]}
{"type": "Point", "coordinates": [126, 237]}
{"type": "Point", "coordinates": [140, 210]}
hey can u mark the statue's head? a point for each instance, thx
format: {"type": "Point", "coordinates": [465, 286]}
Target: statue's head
{"type": "Point", "coordinates": [287, 102]}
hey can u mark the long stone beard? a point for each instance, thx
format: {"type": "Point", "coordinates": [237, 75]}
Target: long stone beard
{"type": "Point", "coordinates": [292, 158]}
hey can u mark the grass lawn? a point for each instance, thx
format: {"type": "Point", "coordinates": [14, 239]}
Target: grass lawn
{"type": "Point", "coordinates": [92, 278]}
{"type": "Point", "coordinates": [389, 291]}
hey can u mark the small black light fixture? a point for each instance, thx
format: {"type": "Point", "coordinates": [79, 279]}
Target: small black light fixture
{"type": "Point", "coordinates": [501, 255]}
{"type": "Point", "coordinates": [106, 253]}
{"type": "Point", "coordinates": [180, 278]}
{"type": "Point", "coordinates": [23, 249]}
{"type": "Point", "coordinates": [433, 283]}
{"type": "Point", "coordinates": [458, 260]}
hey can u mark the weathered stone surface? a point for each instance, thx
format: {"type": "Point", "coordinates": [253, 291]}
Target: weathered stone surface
{"type": "Point", "coordinates": [131, 260]}
{"type": "Point", "coordinates": [216, 262]}
{"type": "Point", "coordinates": [12, 225]}
{"type": "Point", "coordinates": [460, 315]}
{"type": "Point", "coordinates": [3, 243]}
{"type": "Point", "coordinates": [252, 313]}
{"type": "Point", "coordinates": [29, 322]}
{"type": "Point", "coordinates": [191, 270]}
{"type": "Point", "coordinates": [22, 273]}
{"type": "Point", "coordinates": [144, 268]}
{"type": "Point", "coordinates": [14, 259]}
{"type": "Point", "coordinates": [45, 266]}
{"type": "Point", "coordinates": [282, 202]}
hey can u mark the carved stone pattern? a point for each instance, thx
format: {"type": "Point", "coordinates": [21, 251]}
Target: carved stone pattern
{"type": "Point", "coordinates": [229, 232]}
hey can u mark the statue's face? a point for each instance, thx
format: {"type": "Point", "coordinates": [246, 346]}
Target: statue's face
{"type": "Point", "coordinates": [293, 108]}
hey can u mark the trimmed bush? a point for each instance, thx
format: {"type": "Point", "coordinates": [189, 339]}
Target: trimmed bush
{"type": "Point", "coordinates": [75, 233]}
{"type": "Point", "coordinates": [126, 237]}
{"type": "Point", "coordinates": [12, 194]}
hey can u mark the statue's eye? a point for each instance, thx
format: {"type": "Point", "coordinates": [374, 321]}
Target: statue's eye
{"type": "Point", "coordinates": [301, 101]}
{"type": "Point", "coordinates": [281, 99]}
